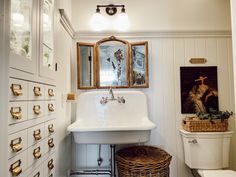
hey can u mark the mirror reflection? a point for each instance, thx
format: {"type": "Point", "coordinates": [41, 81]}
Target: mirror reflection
{"type": "Point", "coordinates": [86, 65]}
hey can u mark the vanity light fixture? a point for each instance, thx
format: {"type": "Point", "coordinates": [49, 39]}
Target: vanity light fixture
{"type": "Point", "coordinates": [99, 22]}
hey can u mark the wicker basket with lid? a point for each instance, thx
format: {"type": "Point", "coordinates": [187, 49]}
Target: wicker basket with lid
{"type": "Point", "coordinates": [143, 161]}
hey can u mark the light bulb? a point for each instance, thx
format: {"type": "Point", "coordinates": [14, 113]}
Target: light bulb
{"type": "Point", "coordinates": [18, 19]}
{"type": "Point", "coordinates": [98, 22]}
{"type": "Point", "coordinates": [121, 23]}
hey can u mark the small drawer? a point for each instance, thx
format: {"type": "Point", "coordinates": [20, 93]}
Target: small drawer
{"type": "Point", "coordinates": [50, 92]}
{"type": "Point", "coordinates": [38, 172]}
{"type": "Point", "coordinates": [36, 109]}
{"type": "Point", "coordinates": [50, 107]}
{"type": "Point", "coordinates": [17, 112]}
{"type": "Point", "coordinates": [49, 144]}
{"type": "Point", "coordinates": [49, 166]}
{"type": "Point", "coordinates": [35, 153]}
{"type": "Point", "coordinates": [18, 90]}
{"type": "Point", "coordinates": [18, 165]}
{"type": "Point", "coordinates": [35, 134]}
{"type": "Point", "coordinates": [17, 143]}
{"type": "Point", "coordinates": [49, 128]}
{"type": "Point", "coordinates": [36, 91]}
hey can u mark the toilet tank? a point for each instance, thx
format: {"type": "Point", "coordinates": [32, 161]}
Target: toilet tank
{"type": "Point", "coordinates": [206, 150]}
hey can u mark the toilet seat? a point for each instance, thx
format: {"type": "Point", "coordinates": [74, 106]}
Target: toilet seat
{"type": "Point", "coordinates": [217, 173]}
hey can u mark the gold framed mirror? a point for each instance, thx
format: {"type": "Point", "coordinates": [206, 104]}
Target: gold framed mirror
{"type": "Point", "coordinates": [86, 65]}
{"type": "Point", "coordinates": [112, 63]}
{"type": "Point", "coordinates": [139, 65]}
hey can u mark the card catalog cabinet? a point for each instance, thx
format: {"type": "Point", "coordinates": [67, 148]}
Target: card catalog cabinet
{"type": "Point", "coordinates": [31, 140]}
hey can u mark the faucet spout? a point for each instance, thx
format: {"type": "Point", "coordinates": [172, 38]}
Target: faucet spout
{"type": "Point", "coordinates": [111, 93]}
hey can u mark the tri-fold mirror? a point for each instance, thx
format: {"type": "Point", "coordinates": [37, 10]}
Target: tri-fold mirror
{"type": "Point", "coordinates": [112, 62]}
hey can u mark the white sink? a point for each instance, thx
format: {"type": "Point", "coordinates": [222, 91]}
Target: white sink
{"type": "Point", "coordinates": [113, 122]}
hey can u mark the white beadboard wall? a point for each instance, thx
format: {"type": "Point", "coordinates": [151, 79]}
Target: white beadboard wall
{"type": "Point", "coordinates": [166, 55]}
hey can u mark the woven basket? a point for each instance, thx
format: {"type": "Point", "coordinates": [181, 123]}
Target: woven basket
{"type": "Point", "coordinates": [143, 161]}
{"type": "Point", "coordinates": [194, 124]}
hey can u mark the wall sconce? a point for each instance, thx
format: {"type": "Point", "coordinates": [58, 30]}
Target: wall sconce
{"type": "Point", "coordinates": [99, 22]}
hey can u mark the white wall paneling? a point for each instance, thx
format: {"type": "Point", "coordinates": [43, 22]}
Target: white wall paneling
{"type": "Point", "coordinates": [166, 55]}
{"type": "Point", "coordinates": [63, 46]}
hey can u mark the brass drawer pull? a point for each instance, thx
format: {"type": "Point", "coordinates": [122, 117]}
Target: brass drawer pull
{"type": "Point", "coordinates": [50, 143]}
{"type": "Point", "coordinates": [15, 168]}
{"type": "Point", "coordinates": [16, 89]}
{"type": "Point", "coordinates": [16, 144]}
{"type": "Point", "coordinates": [50, 128]}
{"type": "Point", "coordinates": [51, 92]}
{"type": "Point", "coordinates": [37, 154]}
{"type": "Point", "coordinates": [37, 135]}
{"type": "Point", "coordinates": [50, 164]}
{"type": "Point", "coordinates": [36, 109]}
{"type": "Point", "coordinates": [37, 91]}
{"type": "Point", "coordinates": [16, 114]}
{"type": "Point", "coordinates": [37, 174]}
{"type": "Point", "coordinates": [51, 107]}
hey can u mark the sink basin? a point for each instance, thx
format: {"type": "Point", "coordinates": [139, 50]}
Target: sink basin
{"type": "Point", "coordinates": [112, 122]}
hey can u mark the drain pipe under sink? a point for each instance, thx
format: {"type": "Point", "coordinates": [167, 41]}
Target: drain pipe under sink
{"type": "Point", "coordinates": [111, 172]}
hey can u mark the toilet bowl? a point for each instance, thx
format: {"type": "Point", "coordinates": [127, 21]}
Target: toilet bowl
{"type": "Point", "coordinates": [207, 152]}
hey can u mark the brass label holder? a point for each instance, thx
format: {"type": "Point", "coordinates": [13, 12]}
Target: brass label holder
{"type": "Point", "coordinates": [50, 128]}
{"type": "Point", "coordinates": [37, 154]}
{"type": "Point", "coordinates": [37, 135]}
{"type": "Point", "coordinates": [50, 164]}
{"type": "Point", "coordinates": [16, 144]}
{"type": "Point", "coordinates": [37, 91]}
{"type": "Point", "coordinates": [15, 168]}
{"type": "Point", "coordinates": [16, 89]}
{"type": "Point", "coordinates": [16, 114]}
{"type": "Point", "coordinates": [50, 92]}
{"type": "Point", "coordinates": [50, 143]}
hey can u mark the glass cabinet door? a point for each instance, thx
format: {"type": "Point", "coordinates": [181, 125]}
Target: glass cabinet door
{"type": "Point", "coordinates": [22, 31]}
{"type": "Point", "coordinates": [47, 63]}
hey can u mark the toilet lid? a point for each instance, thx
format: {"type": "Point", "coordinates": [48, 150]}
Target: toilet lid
{"type": "Point", "coordinates": [218, 173]}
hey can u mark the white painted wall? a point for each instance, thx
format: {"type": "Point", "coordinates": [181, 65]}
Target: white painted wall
{"type": "Point", "coordinates": [63, 45]}
{"type": "Point", "coordinates": [233, 20]}
{"type": "Point", "coordinates": [166, 55]}
{"type": "Point", "coordinates": [152, 15]}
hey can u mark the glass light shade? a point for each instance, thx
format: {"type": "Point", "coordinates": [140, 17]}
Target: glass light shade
{"type": "Point", "coordinates": [18, 19]}
{"type": "Point", "coordinates": [121, 23]}
{"type": "Point", "coordinates": [98, 22]}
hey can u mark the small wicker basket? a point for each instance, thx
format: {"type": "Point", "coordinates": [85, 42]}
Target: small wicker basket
{"type": "Point", "coordinates": [194, 124]}
{"type": "Point", "coordinates": [143, 161]}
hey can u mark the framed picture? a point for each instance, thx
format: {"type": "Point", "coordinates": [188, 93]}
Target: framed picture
{"type": "Point", "coordinates": [199, 90]}
{"type": "Point", "coordinates": [112, 63]}
{"type": "Point", "coordinates": [139, 64]}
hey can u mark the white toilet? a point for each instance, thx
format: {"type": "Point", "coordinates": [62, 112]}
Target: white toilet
{"type": "Point", "coordinates": [208, 152]}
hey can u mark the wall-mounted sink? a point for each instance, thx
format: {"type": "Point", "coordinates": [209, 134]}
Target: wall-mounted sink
{"type": "Point", "coordinates": [111, 122]}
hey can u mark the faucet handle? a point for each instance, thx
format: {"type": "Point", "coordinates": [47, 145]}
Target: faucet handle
{"type": "Point", "coordinates": [121, 100]}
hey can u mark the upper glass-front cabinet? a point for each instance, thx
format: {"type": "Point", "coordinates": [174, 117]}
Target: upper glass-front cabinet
{"type": "Point", "coordinates": [47, 62]}
{"type": "Point", "coordinates": [22, 34]}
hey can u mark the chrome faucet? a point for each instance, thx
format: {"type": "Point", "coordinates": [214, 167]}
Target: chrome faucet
{"type": "Point", "coordinates": [104, 100]}
{"type": "Point", "coordinates": [111, 93]}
